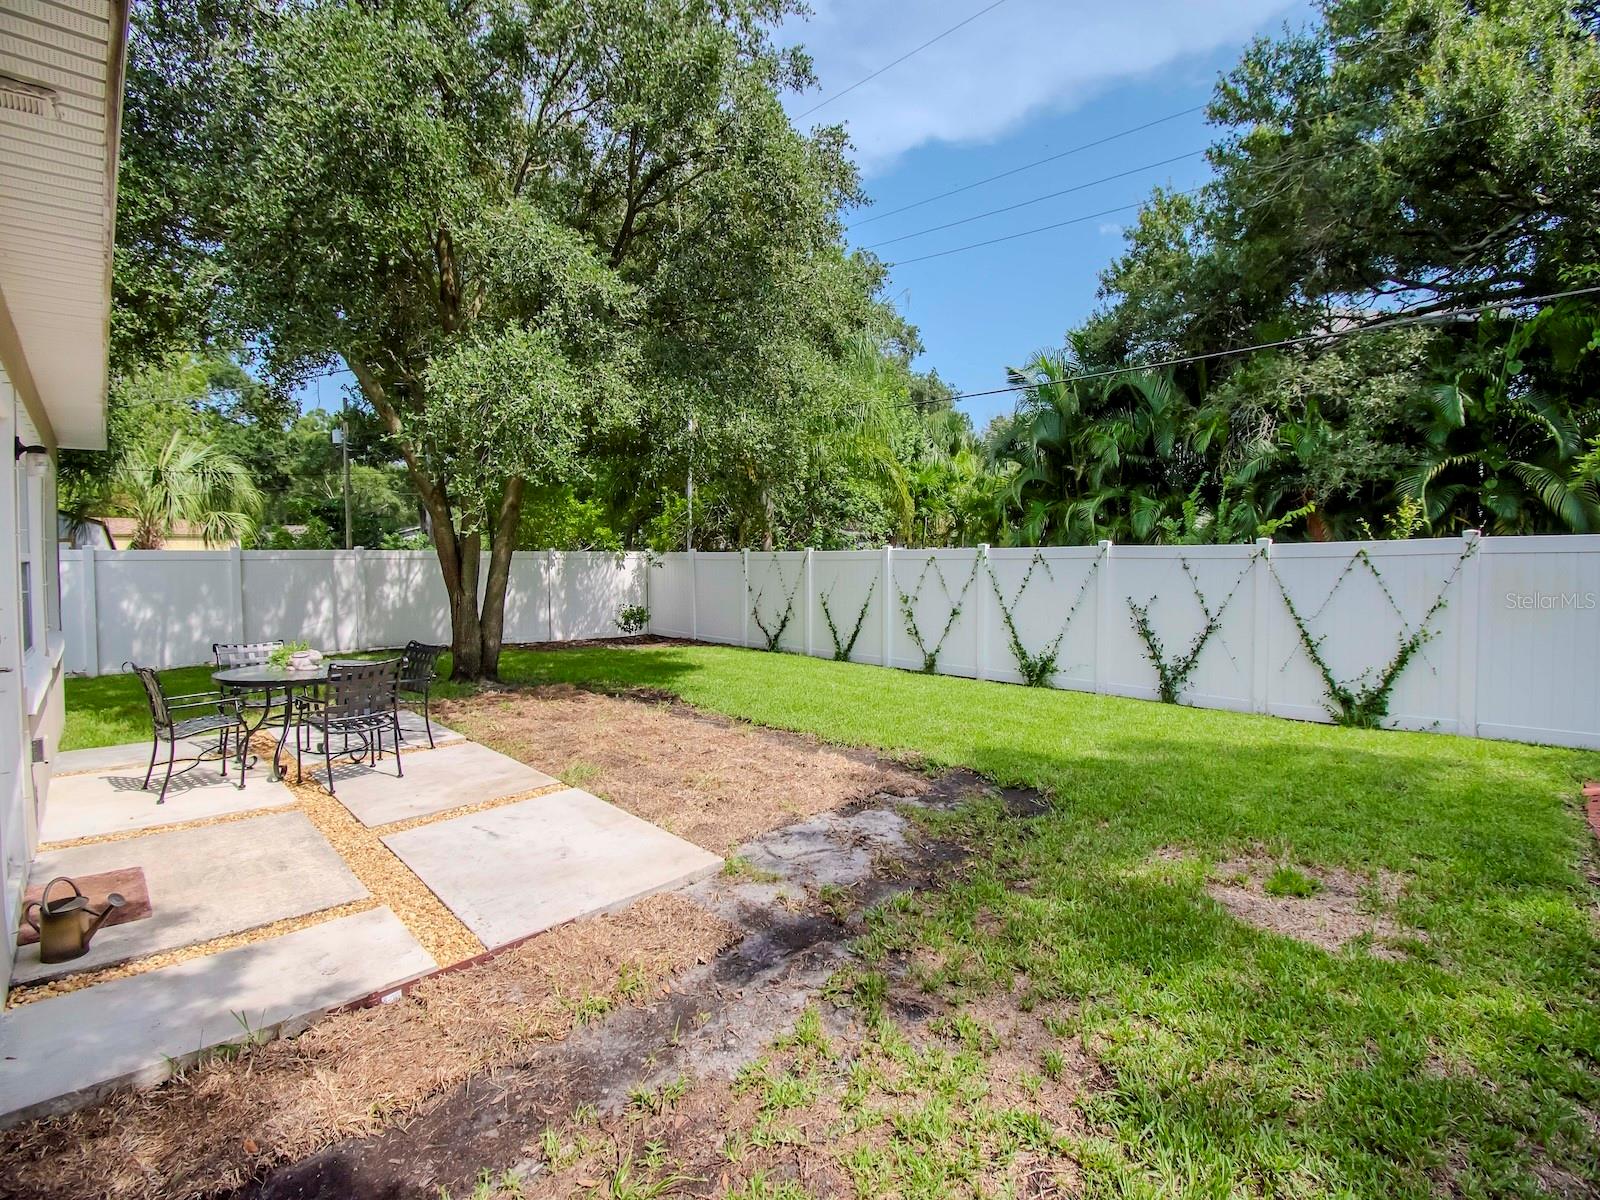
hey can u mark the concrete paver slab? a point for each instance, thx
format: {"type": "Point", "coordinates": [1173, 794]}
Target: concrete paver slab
{"type": "Point", "coordinates": [434, 782]}
{"type": "Point", "coordinates": [94, 804]}
{"type": "Point", "coordinates": [59, 1053]}
{"type": "Point", "coordinates": [204, 883]}
{"type": "Point", "coordinates": [513, 871]}
{"type": "Point", "coordinates": [105, 758]}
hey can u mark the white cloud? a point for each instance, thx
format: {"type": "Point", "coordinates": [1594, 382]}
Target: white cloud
{"type": "Point", "coordinates": [1108, 228]}
{"type": "Point", "coordinates": [1025, 58]}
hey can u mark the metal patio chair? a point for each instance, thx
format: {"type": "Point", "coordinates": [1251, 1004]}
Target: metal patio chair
{"type": "Point", "coordinates": [216, 714]}
{"type": "Point", "coordinates": [361, 700]}
{"type": "Point", "coordinates": [419, 667]}
{"type": "Point", "coordinates": [246, 654]}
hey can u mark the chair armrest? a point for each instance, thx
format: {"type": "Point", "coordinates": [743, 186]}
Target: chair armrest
{"type": "Point", "coordinates": [195, 698]}
{"type": "Point", "coordinates": [208, 702]}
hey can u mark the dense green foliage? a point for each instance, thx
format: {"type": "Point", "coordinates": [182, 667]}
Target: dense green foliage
{"type": "Point", "coordinates": [572, 252]}
{"type": "Point", "coordinates": [1398, 159]}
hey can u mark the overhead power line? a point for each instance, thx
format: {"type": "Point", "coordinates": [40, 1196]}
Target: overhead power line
{"type": "Point", "coordinates": [1403, 320]}
{"type": "Point", "coordinates": [908, 54]}
{"type": "Point", "coordinates": [1038, 162]}
{"type": "Point", "coordinates": [1264, 168]}
{"type": "Point", "coordinates": [1077, 187]}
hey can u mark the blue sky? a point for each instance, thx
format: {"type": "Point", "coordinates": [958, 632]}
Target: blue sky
{"type": "Point", "coordinates": [1028, 79]}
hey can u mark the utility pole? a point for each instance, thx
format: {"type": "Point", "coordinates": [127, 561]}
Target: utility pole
{"type": "Point", "coordinates": [341, 438]}
{"type": "Point", "coordinates": [688, 536]}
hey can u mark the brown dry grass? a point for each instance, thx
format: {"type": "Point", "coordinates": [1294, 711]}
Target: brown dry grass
{"type": "Point", "coordinates": [1346, 908]}
{"type": "Point", "coordinates": [355, 1072]}
{"type": "Point", "coordinates": [710, 780]}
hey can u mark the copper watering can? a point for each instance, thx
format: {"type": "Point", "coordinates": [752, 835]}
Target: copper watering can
{"type": "Point", "coordinates": [65, 926]}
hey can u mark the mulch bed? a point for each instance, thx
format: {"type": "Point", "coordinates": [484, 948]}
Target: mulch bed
{"type": "Point", "coordinates": [715, 782]}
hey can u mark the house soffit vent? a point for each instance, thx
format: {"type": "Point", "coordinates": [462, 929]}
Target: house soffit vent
{"type": "Point", "coordinates": [18, 95]}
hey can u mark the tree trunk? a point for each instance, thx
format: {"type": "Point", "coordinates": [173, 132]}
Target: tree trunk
{"type": "Point", "coordinates": [475, 633]}
{"type": "Point", "coordinates": [494, 587]}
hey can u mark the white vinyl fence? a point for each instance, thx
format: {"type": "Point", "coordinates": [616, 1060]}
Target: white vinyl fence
{"type": "Point", "coordinates": [164, 608]}
{"type": "Point", "coordinates": [1488, 637]}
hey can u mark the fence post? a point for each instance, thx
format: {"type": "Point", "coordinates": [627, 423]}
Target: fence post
{"type": "Point", "coordinates": [1260, 646]}
{"type": "Point", "coordinates": [236, 593]}
{"type": "Point", "coordinates": [1472, 582]}
{"type": "Point", "coordinates": [1102, 621]}
{"type": "Point", "coordinates": [89, 608]}
{"type": "Point", "coordinates": [641, 563]}
{"type": "Point", "coordinates": [886, 589]}
{"type": "Point", "coordinates": [694, 599]}
{"type": "Point", "coordinates": [980, 617]}
{"type": "Point", "coordinates": [809, 590]}
{"type": "Point", "coordinates": [744, 600]}
{"type": "Point", "coordinates": [550, 569]}
{"type": "Point", "coordinates": [358, 593]}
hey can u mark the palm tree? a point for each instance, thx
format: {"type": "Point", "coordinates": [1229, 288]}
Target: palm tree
{"type": "Point", "coordinates": [1515, 465]}
{"type": "Point", "coordinates": [1115, 456]}
{"type": "Point", "coordinates": [184, 481]}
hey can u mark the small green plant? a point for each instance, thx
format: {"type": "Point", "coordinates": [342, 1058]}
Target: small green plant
{"type": "Point", "coordinates": [843, 646]}
{"type": "Point", "coordinates": [280, 656]}
{"type": "Point", "coordinates": [737, 866]}
{"type": "Point", "coordinates": [1055, 1065]}
{"type": "Point", "coordinates": [774, 633]}
{"type": "Point", "coordinates": [578, 772]}
{"type": "Point", "coordinates": [1038, 669]}
{"type": "Point", "coordinates": [1363, 702]}
{"type": "Point", "coordinates": [908, 610]}
{"type": "Point", "coordinates": [1287, 881]}
{"type": "Point", "coordinates": [633, 619]}
{"type": "Point", "coordinates": [1172, 674]}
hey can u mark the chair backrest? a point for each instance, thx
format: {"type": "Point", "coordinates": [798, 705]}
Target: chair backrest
{"type": "Point", "coordinates": [160, 715]}
{"type": "Point", "coordinates": [418, 662]}
{"type": "Point", "coordinates": [358, 689]}
{"type": "Point", "coordinates": [243, 654]}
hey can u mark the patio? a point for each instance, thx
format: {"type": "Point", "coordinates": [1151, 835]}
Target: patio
{"type": "Point", "coordinates": [264, 906]}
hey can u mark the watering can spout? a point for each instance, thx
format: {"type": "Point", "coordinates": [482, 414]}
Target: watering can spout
{"type": "Point", "coordinates": [114, 901]}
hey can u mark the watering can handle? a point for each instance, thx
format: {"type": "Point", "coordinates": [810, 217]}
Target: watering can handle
{"type": "Point", "coordinates": [27, 915]}
{"type": "Point", "coordinates": [44, 896]}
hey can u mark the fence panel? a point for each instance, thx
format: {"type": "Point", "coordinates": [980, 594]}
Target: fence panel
{"type": "Point", "coordinates": [847, 585]}
{"type": "Point", "coordinates": [1539, 640]}
{"type": "Point", "coordinates": [1501, 636]}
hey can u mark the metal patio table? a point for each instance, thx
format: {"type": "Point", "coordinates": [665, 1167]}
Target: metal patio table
{"type": "Point", "coordinates": [270, 679]}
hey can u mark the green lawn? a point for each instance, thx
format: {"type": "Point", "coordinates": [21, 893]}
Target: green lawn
{"type": "Point", "coordinates": [1237, 1061]}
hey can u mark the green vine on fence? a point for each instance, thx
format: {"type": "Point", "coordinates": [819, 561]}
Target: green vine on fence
{"type": "Point", "coordinates": [1363, 702]}
{"type": "Point", "coordinates": [842, 649]}
{"type": "Point", "coordinates": [1038, 669]}
{"type": "Point", "coordinates": [908, 610]}
{"type": "Point", "coordinates": [774, 635]}
{"type": "Point", "coordinates": [1172, 675]}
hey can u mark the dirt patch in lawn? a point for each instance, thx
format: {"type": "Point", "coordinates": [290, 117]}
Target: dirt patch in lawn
{"type": "Point", "coordinates": [710, 780]}
{"type": "Point", "coordinates": [359, 1071]}
{"type": "Point", "coordinates": [1341, 908]}
{"type": "Point", "coordinates": [979, 1100]}
{"type": "Point", "coordinates": [664, 1099]}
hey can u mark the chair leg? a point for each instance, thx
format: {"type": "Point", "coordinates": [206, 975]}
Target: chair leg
{"type": "Point", "coordinates": [222, 750]}
{"type": "Point", "coordinates": [327, 757]}
{"type": "Point", "coordinates": [302, 744]}
{"type": "Point", "coordinates": [155, 744]}
{"type": "Point", "coordinates": [427, 720]}
{"type": "Point", "coordinates": [399, 764]}
{"type": "Point", "coordinates": [172, 750]}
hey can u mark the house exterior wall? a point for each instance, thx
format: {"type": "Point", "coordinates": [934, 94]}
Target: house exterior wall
{"type": "Point", "coordinates": [31, 702]}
